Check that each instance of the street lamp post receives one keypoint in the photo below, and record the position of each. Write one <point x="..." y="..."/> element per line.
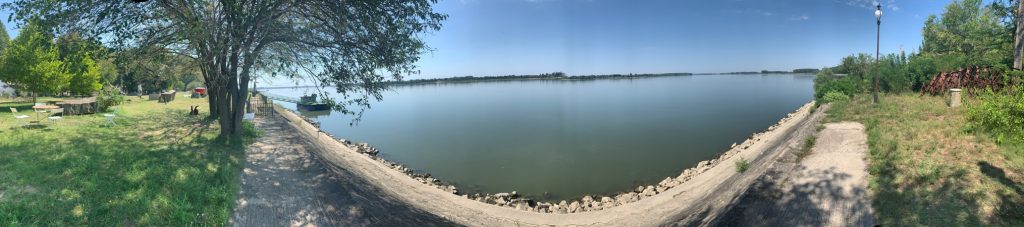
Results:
<point x="878" y="37"/>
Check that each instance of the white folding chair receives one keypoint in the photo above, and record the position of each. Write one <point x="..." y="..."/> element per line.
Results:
<point x="55" y="118"/>
<point x="110" y="119"/>
<point x="22" y="119"/>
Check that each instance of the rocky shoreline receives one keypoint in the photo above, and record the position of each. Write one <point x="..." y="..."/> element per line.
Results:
<point x="584" y="204"/>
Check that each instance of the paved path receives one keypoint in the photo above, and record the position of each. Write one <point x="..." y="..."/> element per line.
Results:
<point x="284" y="185"/>
<point x="827" y="188"/>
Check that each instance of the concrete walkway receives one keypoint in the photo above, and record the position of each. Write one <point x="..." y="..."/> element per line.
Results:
<point x="827" y="188"/>
<point x="284" y="185"/>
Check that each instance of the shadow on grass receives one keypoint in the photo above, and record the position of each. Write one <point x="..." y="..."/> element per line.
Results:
<point x="123" y="175"/>
<point x="5" y="107"/>
<point x="32" y="126"/>
<point x="1010" y="208"/>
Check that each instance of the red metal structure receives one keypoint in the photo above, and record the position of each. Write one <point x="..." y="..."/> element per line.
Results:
<point x="200" y="90"/>
<point x="970" y="79"/>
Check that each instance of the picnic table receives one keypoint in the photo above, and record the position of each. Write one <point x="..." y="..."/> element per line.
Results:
<point x="42" y="108"/>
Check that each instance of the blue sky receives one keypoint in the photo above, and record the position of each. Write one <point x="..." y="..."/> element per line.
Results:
<point x="498" y="37"/>
<point x="501" y="37"/>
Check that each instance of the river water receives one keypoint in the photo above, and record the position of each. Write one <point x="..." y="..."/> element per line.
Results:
<point x="564" y="139"/>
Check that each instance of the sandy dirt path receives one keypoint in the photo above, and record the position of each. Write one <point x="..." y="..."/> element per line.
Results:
<point x="827" y="188"/>
<point x="695" y="202"/>
<point x="284" y="184"/>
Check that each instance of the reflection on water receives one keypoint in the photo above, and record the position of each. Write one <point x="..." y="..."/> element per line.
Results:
<point x="568" y="138"/>
<point x="314" y="114"/>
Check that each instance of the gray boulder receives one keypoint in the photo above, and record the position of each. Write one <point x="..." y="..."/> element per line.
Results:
<point x="574" y="207"/>
<point x="649" y="191"/>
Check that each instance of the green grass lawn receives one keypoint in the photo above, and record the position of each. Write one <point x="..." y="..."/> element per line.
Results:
<point x="928" y="169"/>
<point x="157" y="167"/>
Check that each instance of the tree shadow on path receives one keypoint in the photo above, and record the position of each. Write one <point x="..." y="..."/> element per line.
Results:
<point x="770" y="203"/>
<point x="285" y="183"/>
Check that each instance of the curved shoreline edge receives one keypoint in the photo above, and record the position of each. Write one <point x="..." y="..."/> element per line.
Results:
<point x="668" y="201"/>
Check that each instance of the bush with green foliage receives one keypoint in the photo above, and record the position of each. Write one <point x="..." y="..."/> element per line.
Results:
<point x="835" y="96"/>
<point x="999" y="113"/>
<point x="893" y="75"/>
<point x="827" y="82"/>
<point x="1014" y="77"/>
<point x="109" y="96"/>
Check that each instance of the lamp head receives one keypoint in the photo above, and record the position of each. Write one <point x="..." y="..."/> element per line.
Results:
<point x="878" y="12"/>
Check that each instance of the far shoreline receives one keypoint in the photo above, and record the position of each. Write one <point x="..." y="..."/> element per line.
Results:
<point x="557" y="76"/>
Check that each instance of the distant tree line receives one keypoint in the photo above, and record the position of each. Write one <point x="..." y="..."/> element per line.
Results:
<point x="542" y="76"/>
<point x="735" y="73"/>
<point x="806" y="70"/>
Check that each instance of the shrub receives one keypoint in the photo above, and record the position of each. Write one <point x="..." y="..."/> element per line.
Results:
<point x="835" y="96"/>
<point x="109" y="96"/>
<point x="1013" y="77"/>
<point x="1000" y="113"/>
<point x="825" y="82"/>
<point x="249" y="130"/>
<point x="742" y="165"/>
<point x="893" y="76"/>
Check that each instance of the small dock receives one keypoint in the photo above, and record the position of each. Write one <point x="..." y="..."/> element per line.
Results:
<point x="279" y="97"/>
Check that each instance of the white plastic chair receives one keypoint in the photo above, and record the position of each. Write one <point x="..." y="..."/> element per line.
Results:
<point x="22" y="119"/>
<point x="56" y="118"/>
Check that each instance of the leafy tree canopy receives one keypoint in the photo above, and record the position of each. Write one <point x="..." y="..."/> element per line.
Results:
<point x="970" y="34"/>
<point x="78" y="55"/>
<point x="31" y="63"/>
<point x="5" y="39"/>
<point x="351" y="45"/>
<point x="87" y="79"/>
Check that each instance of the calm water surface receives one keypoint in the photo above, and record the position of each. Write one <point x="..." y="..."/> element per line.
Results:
<point x="568" y="138"/>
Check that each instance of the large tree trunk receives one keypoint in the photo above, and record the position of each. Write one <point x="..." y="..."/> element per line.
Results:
<point x="1018" y="43"/>
<point x="211" y="92"/>
<point x="222" y="88"/>
<point x="232" y="109"/>
<point x="229" y="94"/>
<point x="241" y="99"/>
